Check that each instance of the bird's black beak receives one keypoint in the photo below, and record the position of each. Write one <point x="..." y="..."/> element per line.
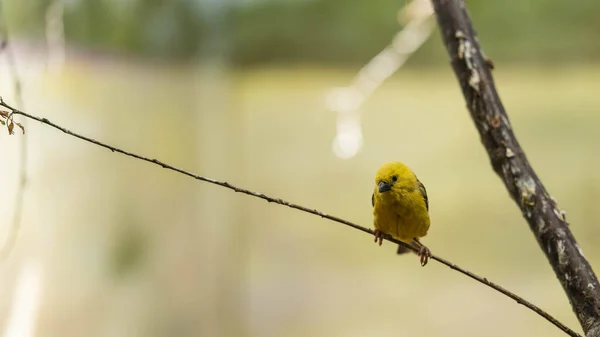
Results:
<point x="384" y="187"/>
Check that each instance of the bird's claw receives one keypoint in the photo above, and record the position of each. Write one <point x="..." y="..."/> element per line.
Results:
<point x="424" y="255"/>
<point x="378" y="236"/>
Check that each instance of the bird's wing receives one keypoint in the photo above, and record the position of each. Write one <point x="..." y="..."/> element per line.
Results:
<point x="373" y="199"/>
<point x="423" y="193"/>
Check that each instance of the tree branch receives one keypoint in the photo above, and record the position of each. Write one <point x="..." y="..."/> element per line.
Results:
<point x="547" y="223"/>
<point x="278" y="201"/>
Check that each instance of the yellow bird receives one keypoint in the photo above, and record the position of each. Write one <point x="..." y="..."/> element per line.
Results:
<point x="401" y="208"/>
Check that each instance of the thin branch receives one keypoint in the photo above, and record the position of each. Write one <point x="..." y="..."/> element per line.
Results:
<point x="508" y="159"/>
<point x="13" y="231"/>
<point x="282" y="202"/>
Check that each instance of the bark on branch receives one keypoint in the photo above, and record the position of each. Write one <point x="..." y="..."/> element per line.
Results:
<point x="546" y="221"/>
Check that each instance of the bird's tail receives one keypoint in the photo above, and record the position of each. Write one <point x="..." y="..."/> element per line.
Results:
<point x="402" y="250"/>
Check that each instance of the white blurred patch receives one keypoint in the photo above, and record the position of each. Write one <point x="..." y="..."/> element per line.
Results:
<point x="349" y="139"/>
<point x="26" y="301"/>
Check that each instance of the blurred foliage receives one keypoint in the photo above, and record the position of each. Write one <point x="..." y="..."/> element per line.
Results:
<point x="129" y="246"/>
<point x="314" y="31"/>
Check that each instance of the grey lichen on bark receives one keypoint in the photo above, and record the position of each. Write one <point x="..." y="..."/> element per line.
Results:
<point x="594" y="331"/>
<point x="546" y="221"/>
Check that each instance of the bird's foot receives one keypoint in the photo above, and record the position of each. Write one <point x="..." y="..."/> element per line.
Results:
<point x="378" y="236"/>
<point x="424" y="255"/>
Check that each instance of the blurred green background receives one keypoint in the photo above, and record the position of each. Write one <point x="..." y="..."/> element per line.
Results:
<point x="236" y="91"/>
<point x="263" y="32"/>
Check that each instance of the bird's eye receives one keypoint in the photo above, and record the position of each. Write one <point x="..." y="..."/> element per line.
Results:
<point x="395" y="178"/>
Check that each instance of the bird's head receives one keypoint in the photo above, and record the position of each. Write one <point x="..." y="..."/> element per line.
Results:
<point x="394" y="176"/>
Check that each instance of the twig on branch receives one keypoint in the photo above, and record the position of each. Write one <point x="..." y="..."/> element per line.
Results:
<point x="546" y="221"/>
<point x="279" y="201"/>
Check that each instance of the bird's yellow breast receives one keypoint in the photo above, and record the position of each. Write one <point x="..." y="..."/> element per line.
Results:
<point x="401" y="213"/>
